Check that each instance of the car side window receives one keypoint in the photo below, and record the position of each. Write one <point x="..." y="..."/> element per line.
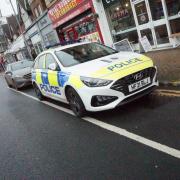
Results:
<point x="49" y="60"/>
<point x="41" y="62"/>
<point x="36" y="64"/>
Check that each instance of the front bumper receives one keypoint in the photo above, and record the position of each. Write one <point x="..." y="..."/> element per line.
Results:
<point x="23" y="82"/>
<point x="87" y="94"/>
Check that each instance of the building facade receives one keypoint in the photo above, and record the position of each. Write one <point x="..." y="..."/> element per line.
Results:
<point x="133" y="19"/>
<point x="75" y="20"/>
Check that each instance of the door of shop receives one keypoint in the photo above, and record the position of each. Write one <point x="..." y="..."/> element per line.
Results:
<point x="151" y="22"/>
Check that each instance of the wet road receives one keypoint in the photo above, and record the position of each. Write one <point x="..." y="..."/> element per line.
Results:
<point x="41" y="141"/>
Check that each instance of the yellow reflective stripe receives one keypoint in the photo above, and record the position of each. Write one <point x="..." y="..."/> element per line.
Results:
<point x="133" y="69"/>
<point x="75" y="81"/>
<point x="38" y="76"/>
<point x="134" y="66"/>
<point x="53" y="78"/>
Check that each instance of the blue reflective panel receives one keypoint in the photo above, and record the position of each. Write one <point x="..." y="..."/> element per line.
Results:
<point x="62" y="78"/>
<point x="44" y="76"/>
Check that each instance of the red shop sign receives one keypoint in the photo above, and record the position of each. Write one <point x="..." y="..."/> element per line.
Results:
<point x="61" y="12"/>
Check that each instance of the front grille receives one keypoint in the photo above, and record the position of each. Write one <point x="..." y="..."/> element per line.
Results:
<point x="27" y="76"/>
<point x="123" y="83"/>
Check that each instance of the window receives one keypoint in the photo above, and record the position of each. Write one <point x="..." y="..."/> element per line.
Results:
<point x="41" y="62"/>
<point x="141" y="12"/>
<point x="49" y="60"/>
<point x="173" y="7"/>
<point x="175" y="25"/>
<point x="156" y="9"/>
<point x="120" y="16"/>
<point x="132" y="36"/>
<point x="161" y="34"/>
<point x="50" y="39"/>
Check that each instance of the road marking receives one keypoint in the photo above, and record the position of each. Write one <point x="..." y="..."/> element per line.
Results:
<point x="123" y="132"/>
<point x="171" y="93"/>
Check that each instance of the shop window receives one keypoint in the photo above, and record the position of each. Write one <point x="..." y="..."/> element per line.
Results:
<point x="156" y="9"/>
<point x="38" y="48"/>
<point x="50" y="39"/>
<point x="175" y="25"/>
<point x="141" y="12"/>
<point x="86" y="27"/>
<point x="173" y="7"/>
<point x="120" y="16"/>
<point x="131" y="36"/>
<point x="161" y="34"/>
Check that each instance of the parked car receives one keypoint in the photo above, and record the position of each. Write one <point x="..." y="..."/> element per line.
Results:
<point x="92" y="77"/>
<point x="18" y="74"/>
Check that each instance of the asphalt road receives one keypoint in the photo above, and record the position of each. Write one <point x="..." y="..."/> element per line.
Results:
<point x="38" y="141"/>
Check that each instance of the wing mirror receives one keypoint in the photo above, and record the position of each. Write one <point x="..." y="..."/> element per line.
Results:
<point x="53" y="67"/>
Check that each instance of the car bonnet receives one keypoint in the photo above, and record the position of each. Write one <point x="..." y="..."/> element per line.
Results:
<point x="112" y="67"/>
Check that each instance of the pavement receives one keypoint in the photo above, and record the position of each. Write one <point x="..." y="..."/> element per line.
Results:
<point x="44" y="140"/>
<point x="168" y="64"/>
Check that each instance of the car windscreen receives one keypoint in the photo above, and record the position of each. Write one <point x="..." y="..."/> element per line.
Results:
<point x="21" y="65"/>
<point x="83" y="53"/>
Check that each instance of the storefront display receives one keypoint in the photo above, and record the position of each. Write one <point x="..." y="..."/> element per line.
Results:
<point x="75" y="20"/>
<point x="135" y="19"/>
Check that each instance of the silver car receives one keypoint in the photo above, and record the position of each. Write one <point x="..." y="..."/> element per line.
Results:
<point x="18" y="74"/>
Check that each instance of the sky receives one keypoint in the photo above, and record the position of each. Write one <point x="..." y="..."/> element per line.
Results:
<point x="5" y="7"/>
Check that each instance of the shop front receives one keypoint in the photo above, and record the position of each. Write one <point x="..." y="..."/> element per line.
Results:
<point x="75" y="20"/>
<point x="34" y="40"/>
<point x="47" y="32"/>
<point x="134" y="19"/>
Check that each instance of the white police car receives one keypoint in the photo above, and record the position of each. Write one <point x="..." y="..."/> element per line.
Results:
<point x="92" y="77"/>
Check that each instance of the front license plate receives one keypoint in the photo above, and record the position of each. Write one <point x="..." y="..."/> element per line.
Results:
<point x="139" y="84"/>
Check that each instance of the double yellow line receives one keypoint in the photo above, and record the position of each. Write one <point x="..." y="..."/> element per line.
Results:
<point x="171" y="93"/>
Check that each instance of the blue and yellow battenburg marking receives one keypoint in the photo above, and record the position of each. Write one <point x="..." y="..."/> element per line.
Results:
<point x="50" y="81"/>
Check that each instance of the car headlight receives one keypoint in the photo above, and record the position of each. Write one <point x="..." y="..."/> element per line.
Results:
<point x="95" y="82"/>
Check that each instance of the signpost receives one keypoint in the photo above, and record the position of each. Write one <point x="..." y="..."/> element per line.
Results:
<point x="145" y="43"/>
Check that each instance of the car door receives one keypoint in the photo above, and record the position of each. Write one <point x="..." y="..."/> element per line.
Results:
<point x="54" y="88"/>
<point x="38" y="72"/>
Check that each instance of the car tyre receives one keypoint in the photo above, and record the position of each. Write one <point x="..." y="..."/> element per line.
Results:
<point x="76" y="103"/>
<point x="38" y="92"/>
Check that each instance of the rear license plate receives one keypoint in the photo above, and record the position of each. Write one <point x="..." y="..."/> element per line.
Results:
<point x="139" y="84"/>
